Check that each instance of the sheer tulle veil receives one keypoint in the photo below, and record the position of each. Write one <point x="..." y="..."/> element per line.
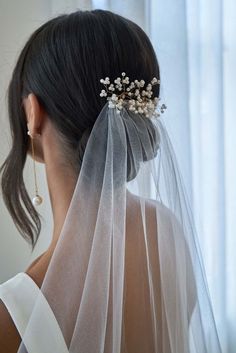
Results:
<point x="129" y="201"/>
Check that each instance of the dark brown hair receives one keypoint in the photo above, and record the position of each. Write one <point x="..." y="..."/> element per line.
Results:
<point x="62" y="64"/>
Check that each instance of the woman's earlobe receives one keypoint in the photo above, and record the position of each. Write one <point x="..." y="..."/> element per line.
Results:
<point x="34" y="114"/>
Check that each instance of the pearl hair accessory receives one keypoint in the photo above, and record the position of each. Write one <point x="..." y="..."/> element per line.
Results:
<point x="133" y="95"/>
<point x="37" y="199"/>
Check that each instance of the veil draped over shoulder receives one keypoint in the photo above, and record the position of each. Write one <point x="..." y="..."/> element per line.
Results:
<point x="126" y="275"/>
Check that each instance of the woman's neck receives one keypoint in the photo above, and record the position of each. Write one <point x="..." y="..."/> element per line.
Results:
<point x="61" y="184"/>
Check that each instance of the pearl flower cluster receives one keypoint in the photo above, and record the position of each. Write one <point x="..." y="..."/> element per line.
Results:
<point x="133" y="95"/>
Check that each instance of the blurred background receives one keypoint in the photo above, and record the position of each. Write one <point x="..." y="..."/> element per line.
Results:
<point x="195" y="42"/>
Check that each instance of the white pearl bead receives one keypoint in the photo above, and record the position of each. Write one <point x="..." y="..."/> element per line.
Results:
<point x="37" y="200"/>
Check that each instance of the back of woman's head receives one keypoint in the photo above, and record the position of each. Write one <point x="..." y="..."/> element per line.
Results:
<point x="62" y="64"/>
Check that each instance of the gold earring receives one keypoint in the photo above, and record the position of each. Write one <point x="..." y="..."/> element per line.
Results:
<point x="37" y="199"/>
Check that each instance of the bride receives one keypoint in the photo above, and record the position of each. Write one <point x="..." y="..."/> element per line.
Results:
<point x="123" y="272"/>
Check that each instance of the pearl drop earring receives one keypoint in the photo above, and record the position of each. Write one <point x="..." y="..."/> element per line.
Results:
<point x="37" y="199"/>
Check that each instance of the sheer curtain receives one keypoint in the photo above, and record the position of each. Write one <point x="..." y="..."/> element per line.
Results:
<point x="212" y="55"/>
<point x="196" y="43"/>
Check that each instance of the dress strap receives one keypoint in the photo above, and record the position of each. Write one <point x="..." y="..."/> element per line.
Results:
<point x="21" y="296"/>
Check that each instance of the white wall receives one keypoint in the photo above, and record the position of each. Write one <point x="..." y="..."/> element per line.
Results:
<point x="18" y="19"/>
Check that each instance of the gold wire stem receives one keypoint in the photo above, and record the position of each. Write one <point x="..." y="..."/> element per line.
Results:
<point x="34" y="167"/>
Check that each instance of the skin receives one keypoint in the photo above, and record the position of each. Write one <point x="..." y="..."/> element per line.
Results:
<point x="61" y="183"/>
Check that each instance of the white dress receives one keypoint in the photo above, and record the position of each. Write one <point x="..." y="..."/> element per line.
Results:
<point x="19" y="295"/>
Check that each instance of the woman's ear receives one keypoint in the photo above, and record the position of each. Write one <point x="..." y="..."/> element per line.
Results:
<point x="34" y="114"/>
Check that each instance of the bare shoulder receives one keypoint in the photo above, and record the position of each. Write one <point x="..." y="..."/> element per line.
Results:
<point x="9" y="336"/>
<point x="38" y="268"/>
